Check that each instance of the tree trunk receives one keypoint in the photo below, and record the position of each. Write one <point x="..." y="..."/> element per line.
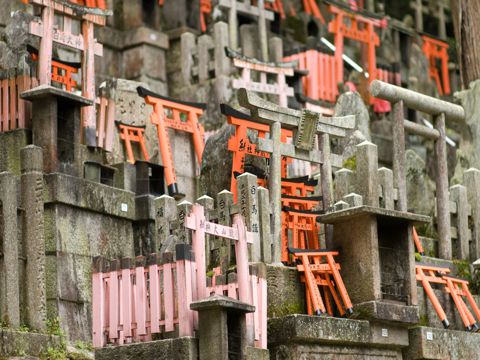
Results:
<point x="465" y="14"/>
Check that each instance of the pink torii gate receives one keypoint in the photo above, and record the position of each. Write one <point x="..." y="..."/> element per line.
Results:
<point x="84" y="42"/>
<point x="131" y="304"/>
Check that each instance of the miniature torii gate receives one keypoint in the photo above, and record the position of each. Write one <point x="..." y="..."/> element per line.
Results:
<point x="281" y="70"/>
<point x="85" y="42"/>
<point x="245" y="7"/>
<point x="306" y="126"/>
<point x="365" y="35"/>
<point x="437" y="50"/>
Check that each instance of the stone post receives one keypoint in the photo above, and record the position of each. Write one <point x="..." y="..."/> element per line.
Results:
<point x="222" y="248"/>
<point x="343" y="181"/>
<point x="276" y="49"/>
<point x="471" y="180"/>
<point x="249" y="40"/>
<point x="441" y="181"/>
<point x="265" y="230"/>
<point x="222" y="330"/>
<point x="458" y="195"/>
<point x="9" y="279"/>
<point x="262" y="30"/>
<point x="248" y="205"/>
<point x="275" y="188"/>
<point x="233" y="25"/>
<point x="399" y="171"/>
<point x="208" y="203"/>
<point x="205" y="43"/>
<point x="33" y="233"/>
<point x="367" y="173"/>
<point x="183" y="210"/>
<point x="188" y="49"/>
<point x="385" y="180"/>
<point x="222" y="62"/>
<point x="165" y="215"/>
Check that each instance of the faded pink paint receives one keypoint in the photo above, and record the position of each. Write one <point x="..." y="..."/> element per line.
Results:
<point x="139" y="312"/>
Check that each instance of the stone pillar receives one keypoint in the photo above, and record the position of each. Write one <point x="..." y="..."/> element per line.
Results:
<point x="222" y="62"/>
<point x="208" y="203"/>
<point x="248" y="205"/>
<point x="166" y="213"/>
<point x="265" y="228"/>
<point x="385" y="180"/>
<point x="441" y="182"/>
<point x="458" y="195"/>
<point x="222" y="248"/>
<point x="276" y="49"/>
<point x="367" y="173"/>
<point x="44" y="131"/>
<point x="183" y="234"/>
<point x="222" y="331"/>
<point x="471" y="179"/>
<point x="9" y="279"/>
<point x="343" y="181"/>
<point x="399" y="172"/>
<point x="33" y="235"/>
<point x="275" y="188"/>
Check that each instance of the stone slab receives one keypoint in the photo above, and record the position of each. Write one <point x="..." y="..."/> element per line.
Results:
<point x="343" y="215"/>
<point x="324" y="330"/>
<point x="44" y="91"/>
<point x="10" y="144"/>
<point x="436" y="344"/>
<point x="16" y="343"/>
<point x="69" y="190"/>
<point x="184" y="348"/>
<point x="387" y="312"/>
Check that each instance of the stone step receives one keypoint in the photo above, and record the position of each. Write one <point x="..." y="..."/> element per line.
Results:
<point x="436" y="344"/>
<point x="457" y="268"/>
<point x="183" y="348"/>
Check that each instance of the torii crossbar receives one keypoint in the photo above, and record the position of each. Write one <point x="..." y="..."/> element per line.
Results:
<point x="306" y="125"/>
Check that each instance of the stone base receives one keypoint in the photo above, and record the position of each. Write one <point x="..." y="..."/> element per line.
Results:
<point x="185" y="348"/>
<point x="15" y="343"/>
<point x="433" y="344"/>
<point x="387" y="312"/>
<point x="257" y="354"/>
<point x="285" y="293"/>
<point x="303" y="336"/>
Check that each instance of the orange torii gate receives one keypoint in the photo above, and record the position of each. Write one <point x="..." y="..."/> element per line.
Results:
<point x="240" y="144"/>
<point x="89" y="13"/>
<point x="318" y="268"/>
<point x="457" y="288"/>
<point x="178" y="115"/>
<point x="437" y="50"/>
<point x="361" y="29"/>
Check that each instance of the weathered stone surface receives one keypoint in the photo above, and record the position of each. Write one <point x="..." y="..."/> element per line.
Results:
<point x="351" y="103"/>
<point x="16" y="343"/>
<point x="387" y="312"/>
<point x="436" y="344"/>
<point x="10" y="144"/>
<point x="302" y="336"/>
<point x="215" y="174"/>
<point x="420" y="188"/>
<point x="285" y="293"/>
<point x="185" y="348"/>
<point x="13" y="48"/>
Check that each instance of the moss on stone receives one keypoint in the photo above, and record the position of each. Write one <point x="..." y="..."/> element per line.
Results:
<point x="285" y="309"/>
<point x="351" y="163"/>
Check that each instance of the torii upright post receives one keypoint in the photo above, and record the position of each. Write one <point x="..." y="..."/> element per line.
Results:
<point x="306" y="126"/>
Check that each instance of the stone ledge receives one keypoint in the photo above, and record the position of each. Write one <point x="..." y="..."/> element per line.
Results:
<point x="436" y="344"/>
<point x="89" y="195"/>
<point x="184" y="348"/>
<point x="122" y="40"/>
<point x="389" y="312"/>
<point x="16" y="343"/>
<point x="334" y="331"/>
